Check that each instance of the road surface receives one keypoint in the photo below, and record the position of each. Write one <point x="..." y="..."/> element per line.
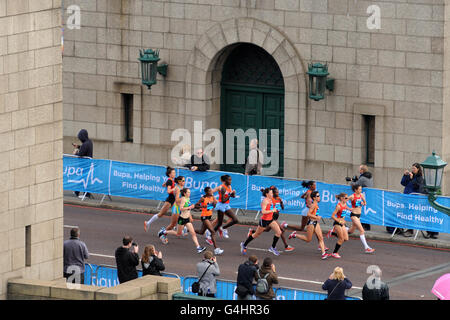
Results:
<point x="102" y="230"/>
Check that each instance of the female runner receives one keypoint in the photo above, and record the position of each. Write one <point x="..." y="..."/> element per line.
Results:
<point x="207" y="203"/>
<point x="311" y="185"/>
<point x="278" y="204"/>
<point x="170" y="200"/>
<point x="358" y="200"/>
<point x="338" y="216"/>
<point x="268" y="210"/>
<point x="223" y="206"/>
<point x="313" y="226"/>
<point x="185" y="219"/>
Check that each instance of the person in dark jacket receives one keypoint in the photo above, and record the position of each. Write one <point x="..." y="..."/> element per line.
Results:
<point x="246" y="275"/>
<point x="336" y="285"/>
<point x="414" y="182"/>
<point x="75" y="254"/>
<point x="199" y="162"/>
<point x="86" y="149"/>
<point x="127" y="259"/>
<point x="267" y="268"/>
<point x="151" y="261"/>
<point x="374" y="288"/>
<point x="365" y="180"/>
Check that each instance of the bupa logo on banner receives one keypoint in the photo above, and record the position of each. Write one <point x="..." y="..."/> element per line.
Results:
<point x="84" y="174"/>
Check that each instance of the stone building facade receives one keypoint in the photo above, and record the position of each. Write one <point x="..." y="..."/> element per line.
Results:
<point x="31" y="204"/>
<point x="389" y="97"/>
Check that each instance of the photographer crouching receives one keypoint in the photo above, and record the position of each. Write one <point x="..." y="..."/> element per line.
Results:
<point x="365" y="179"/>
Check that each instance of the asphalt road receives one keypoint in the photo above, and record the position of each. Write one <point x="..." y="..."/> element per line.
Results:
<point x="102" y="230"/>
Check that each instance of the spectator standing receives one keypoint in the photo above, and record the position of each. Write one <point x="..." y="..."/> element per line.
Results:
<point x="207" y="271"/>
<point x="127" y="259"/>
<point x="75" y="254"/>
<point x="365" y="180"/>
<point x="374" y="288"/>
<point x="246" y="275"/>
<point x="267" y="268"/>
<point x="198" y="162"/>
<point x="336" y="285"/>
<point x="414" y="182"/>
<point x="86" y="149"/>
<point x="151" y="261"/>
<point x="255" y="159"/>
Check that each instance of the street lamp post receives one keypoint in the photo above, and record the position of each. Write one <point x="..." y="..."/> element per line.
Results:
<point x="433" y="169"/>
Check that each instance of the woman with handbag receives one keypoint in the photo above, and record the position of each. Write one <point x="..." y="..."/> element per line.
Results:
<point x="336" y="285"/>
<point x="207" y="270"/>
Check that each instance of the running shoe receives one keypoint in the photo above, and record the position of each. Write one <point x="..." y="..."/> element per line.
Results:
<point x="330" y="233"/>
<point x="220" y="232"/>
<point x="250" y="232"/>
<point x="207" y="234"/>
<point x="369" y="250"/>
<point x="243" y="249"/>
<point x="145" y="226"/>
<point x="293" y="235"/>
<point x="161" y="232"/>
<point x="289" y="249"/>
<point x="284" y="225"/>
<point x="326" y="249"/>
<point x="325" y="255"/>
<point x="225" y="233"/>
<point x="218" y="251"/>
<point x="336" y="255"/>
<point x="200" y="249"/>
<point x="274" y="251"/>
<point x="184" y="232"/>
<point x="209" y="241"/>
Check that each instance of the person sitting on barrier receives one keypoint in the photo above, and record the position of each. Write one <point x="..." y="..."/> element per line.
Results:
<point x="86" y="149"/>
<point x="127" y="259"/>
<point x="207" y="270"/>
<point x="185" y="219"/>
<point x="268" y="210"/>
<point x="151" y="261"/>
<point x="245" y="277"/>
<point x="336" y="285"/>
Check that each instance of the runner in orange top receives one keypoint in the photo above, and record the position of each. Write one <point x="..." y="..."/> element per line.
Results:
<point x="223" y="206"/>
<point x="277" y="204"/>
<point x="340" y="212"/>
<point x="313" y="226"/>
<point x="207" y="203"/>
<point x="268" y="210"/>
<point x="358" y="200"/>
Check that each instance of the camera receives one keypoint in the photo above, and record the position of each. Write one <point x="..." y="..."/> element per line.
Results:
<point x="354" y="179"/>
<point x="134" y="244"/>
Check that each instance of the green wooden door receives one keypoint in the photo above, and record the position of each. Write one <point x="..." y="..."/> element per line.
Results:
<point x="252" y="97"/>
<point x="251" y="108"/>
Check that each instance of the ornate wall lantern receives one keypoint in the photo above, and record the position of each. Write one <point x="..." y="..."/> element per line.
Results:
<point x="149" y="66"/>
<point x="318" y="81"/>
<point x="433" y="170"/>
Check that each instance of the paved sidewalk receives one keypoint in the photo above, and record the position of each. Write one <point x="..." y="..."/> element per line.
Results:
<point x="249" y="217"/>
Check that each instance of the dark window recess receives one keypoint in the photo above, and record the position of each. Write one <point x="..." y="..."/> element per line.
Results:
<point x="127" y="102"/>
<point x="28" y="246"/>
<point x="369" y="139"/>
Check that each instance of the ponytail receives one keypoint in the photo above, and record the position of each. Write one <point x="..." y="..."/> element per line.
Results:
<point x="168" y="171"/>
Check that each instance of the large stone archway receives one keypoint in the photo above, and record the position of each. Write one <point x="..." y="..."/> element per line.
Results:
<point x="203" y="77"/>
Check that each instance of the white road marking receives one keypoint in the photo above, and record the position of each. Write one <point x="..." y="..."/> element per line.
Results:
<point x="66" y="226"/>
<point x="101" y="255"/>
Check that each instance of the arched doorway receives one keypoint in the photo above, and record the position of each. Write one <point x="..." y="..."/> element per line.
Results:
<point x="252" y="96"/>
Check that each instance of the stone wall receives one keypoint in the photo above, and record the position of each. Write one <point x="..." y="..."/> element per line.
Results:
<point x="394" y="73"/>
<point x="144" y="288"/>
<point x="31" y="140"/>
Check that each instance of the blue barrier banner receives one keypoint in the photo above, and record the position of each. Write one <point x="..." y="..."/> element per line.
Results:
<point x="385" y="208"/>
